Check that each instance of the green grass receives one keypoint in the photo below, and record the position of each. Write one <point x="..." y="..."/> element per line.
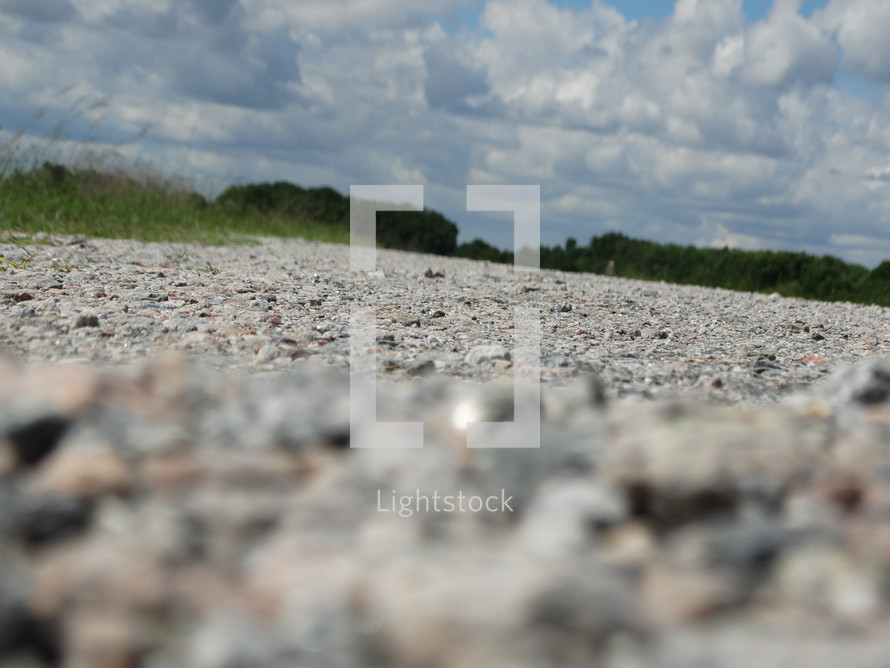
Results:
<point x="15" y="264"/>
<point x="54" y="185"/>
<point x="96" y="203"/>
<point x="102" y="194"/>
<point x="21" y="263"/>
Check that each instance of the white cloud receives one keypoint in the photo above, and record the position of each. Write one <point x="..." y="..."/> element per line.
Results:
<point x="721" y="237"/>
<point x="860" y="248"/>
<point x="786" y="48"/>
<point x="699" y="129"/>
<point x="16" y="70"/>
<point x="862" y="28"/>
<point x="406" y="175"/>
<point x="530" y="42"/>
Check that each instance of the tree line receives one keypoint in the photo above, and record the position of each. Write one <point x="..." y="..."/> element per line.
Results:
<point x="791" y="274"/>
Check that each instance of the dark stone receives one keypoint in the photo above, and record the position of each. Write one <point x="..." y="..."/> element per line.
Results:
<point x="875" y="389"/>
<point x="748" y="547"/>
<point x="848" y="497"/>
<point x="423" y="368"/>
<point x="669" y="508"/>
<point x="21" y="632"/>
<point x="597" y="391"/>
<point x="28" y="312"/>
<point x="44" y="520"/>
<point x="86" y="320"/>
<point x="762" y="365"/>
<point x="36" y="439"/>
<point x="12" y="621"/>
<point x="337" y="436"/>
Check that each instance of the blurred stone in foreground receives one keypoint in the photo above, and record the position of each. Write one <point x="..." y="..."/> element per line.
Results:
<point x="165" y="515"/>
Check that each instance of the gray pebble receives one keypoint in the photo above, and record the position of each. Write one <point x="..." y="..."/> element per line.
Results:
<point x="481" y="354"/>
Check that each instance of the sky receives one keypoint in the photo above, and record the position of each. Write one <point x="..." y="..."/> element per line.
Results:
<point x="753" y="124"/>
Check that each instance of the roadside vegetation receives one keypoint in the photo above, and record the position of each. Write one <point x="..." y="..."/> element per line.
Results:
<point x="55" y="199"/>
<point x="110" y="199"/>
<point x="825" y="278"/>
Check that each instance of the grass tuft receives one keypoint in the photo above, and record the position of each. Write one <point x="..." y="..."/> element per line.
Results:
<point x="59" y="200"/>
<point x="53" y="185"/>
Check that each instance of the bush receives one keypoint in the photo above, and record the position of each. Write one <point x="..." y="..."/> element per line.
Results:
<point x="477" y="249"/>
<point x="420" y="231"/>
<point x="321" y="205"/>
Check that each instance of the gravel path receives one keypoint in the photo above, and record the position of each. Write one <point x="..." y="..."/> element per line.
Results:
<point x="278" y="303"/>
<point x="716" y="494"/>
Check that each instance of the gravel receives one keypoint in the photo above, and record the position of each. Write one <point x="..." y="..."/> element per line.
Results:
<point x="275" y="304"/>
<point x="713" y="486"/>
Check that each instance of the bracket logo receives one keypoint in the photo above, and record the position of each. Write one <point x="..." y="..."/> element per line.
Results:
<point x="525" y="429"/>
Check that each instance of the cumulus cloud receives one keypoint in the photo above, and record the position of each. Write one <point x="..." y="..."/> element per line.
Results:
<point x="862" y="27"/>
<point x="719" y="236"/>
<point x="450" y="84"/>
<point x="702" y="128"/>
<point x="206" y="49"/>
<point x="786" y="49"/>
<point x="213" y="51"/>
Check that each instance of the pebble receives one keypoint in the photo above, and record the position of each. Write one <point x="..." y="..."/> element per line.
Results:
<point x="123" y="301"/>
<point x="481" y="354"/>
<point x="178" y="487"/>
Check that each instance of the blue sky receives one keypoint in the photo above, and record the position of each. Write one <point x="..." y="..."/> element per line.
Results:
<point x="657" y="10"/>
<point x="749" y="123"/>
